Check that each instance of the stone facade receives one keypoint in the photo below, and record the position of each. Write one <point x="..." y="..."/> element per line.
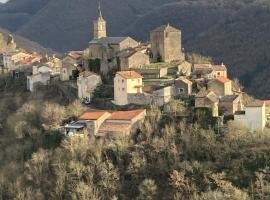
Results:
<point x="229" y="104"/>
<point x="166" y="44"/>
<point x="182" y="86"/>
<point x="133" y="59"/>
<point x="100" y="27"/>
<point x="220" y="86"/>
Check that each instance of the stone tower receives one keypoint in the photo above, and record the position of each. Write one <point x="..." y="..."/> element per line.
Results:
<point x="99" y="26"/>
<point x="166" y="44"/>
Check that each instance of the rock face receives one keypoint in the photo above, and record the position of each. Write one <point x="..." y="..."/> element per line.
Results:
<point x="7" y="45"/>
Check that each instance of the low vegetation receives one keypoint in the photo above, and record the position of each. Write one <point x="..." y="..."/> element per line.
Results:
<point x="170" y="156"/>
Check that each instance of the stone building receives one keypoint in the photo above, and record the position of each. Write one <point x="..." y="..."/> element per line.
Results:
<point x="166" y="44"/>
<point x="105" y="49"/>
<point x="209" y="71"/>
<point x="100" y="26"/>
<point x="130" y="58"/>
<point x="182" y="86"/>
<point x="70" y="63"/>
<point x="207" y="99"/>
<point x="39" y="76"/>
<point x="220" y="86"/>
<point x="125" y="83"/>
<point x="87" y="82"/>
<point x="229" y="104"/>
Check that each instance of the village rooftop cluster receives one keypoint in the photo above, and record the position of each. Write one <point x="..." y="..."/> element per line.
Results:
<point x="153" y="72"/>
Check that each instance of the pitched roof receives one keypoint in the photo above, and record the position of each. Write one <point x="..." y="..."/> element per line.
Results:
<point x="185" y="80"/>
<point x="75" y="54"/>
<point x="108" y="40"/>
<point x="125" y="115"/>
<point x="221" y="67"/>
<point x="212" y="96"/>
<point x="167" y="28"/>
<point x="223" y="79"/>
<point x="129" y="74"/>
<point x="87" y="74"/>
<point x="229" y="98"/>
<point x="92" y="115"/>
<point x="256" y="103"/>
<point x="127" y="53"/>
<point x="267" y="103"/>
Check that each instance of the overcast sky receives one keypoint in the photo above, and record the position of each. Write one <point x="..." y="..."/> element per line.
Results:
<point x="3" y="1"/>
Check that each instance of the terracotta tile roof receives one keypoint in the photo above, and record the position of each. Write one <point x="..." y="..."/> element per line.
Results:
<point x="256" y="103"/>
<point x="114" y="128"/>
<point x="75" y="54"/>
<point x="223" y="79"/>
<point x="92" y="115"/>
<point x="87" y="73"/>
<point x="267" y="103"/>
<point x="129" y="74"/>
<point x="125" y="115"/>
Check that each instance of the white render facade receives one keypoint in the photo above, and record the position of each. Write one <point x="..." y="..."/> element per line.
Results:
<point x="254" y="118"/>
<point x="87" y="85"/>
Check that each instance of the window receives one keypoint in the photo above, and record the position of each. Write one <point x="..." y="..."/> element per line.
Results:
<point x="181" y="90"/>
<point x="123" y="89"/>
<point x="138" y="80"/>
<point x="122" y="80"/>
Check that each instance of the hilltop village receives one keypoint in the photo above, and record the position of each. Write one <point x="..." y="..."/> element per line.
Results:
<point x="141" y="74"/>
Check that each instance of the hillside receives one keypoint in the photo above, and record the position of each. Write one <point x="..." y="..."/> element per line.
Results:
<point x="28" y="45"/>
<point x="241" y="41"/>
<point x="186" y="15"/>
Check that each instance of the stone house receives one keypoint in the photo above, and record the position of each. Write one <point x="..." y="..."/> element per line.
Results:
<point x="162" y="95"/>
<point x="221" y="86"/>
<point x="254" y="117"/>
<point x="219" y="71"/>
<point x="87" y="82"/>
<point x="106" y="50"/>
<point x="94" y="120"/>
<point x="209" y="71"/>
<point x="185" y="68"/>
<point x="125" y="83"/>
<point x="121" y="123"/>
<point x="182" y="86"/>
<point x="39" y="76"/>
<point x="131" y="58"/>
<point x="70" y="64"/>
<point x="202" y="71"/>
<point x="166" y="44"/>
<point x="207" y="99"/>
<point x="229" y="104"/>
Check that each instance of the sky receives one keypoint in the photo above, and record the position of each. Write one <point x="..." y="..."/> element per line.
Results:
<point x="3" y="1"/>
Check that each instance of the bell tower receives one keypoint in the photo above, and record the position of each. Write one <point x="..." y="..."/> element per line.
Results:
<point x="99" y="26"/>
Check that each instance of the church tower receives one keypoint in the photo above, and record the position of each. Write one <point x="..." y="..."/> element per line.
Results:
<point x="99" y="26"/>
